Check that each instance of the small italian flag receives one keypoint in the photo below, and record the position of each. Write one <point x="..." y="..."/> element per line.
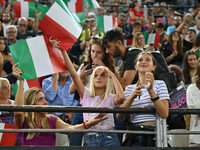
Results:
<point x="59" y="23"/>
<point x="37" y="57"/>
<point x="27" y="9"/>
<point x="27" y="85"/>
<point x="75" y="6"/>
<point x="106" y="23"/>
<point x="152" y="38"/>
<point x="8" y="138"/>
<point x="12" y="1"/>
<point x="93" y="4"/>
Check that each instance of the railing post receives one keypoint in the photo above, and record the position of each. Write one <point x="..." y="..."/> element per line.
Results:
<point x="161" y="132"/>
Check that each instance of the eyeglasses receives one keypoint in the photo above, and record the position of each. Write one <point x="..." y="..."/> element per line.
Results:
<point x="22" y="25"/>
<point x="11" y="32"/>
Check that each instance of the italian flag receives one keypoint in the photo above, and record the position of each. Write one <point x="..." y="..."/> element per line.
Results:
<point x="2" y="2"/>
<point x="37" y="57"/>
<point x="27" y="9"/>
<point x="75" y="6"/>
<point x="12" y="1"/>
<point x="60" y="24"/>
<point x="93" y="4"/>
<point x="106" y="23"/>
<point x="8" y="138"/>
<point x="152" y="38"/>
<point x="27" y="85"/>
<point x="80" y="17"/>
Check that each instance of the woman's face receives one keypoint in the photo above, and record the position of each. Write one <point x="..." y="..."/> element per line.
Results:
<point x="5" y="91"/>
<point x="144" y="64"/>
<point x="192" y="61"/>
<point x="138" y="3"/>
<point x="2" y="45"/>
<point x="97" y="52"/>
<point x="141" y="41"/>
<point x="41" y="100"/>
<point x="175" y="37"/>
<point x="100" y="78"/>
<point x="184" y="30"/>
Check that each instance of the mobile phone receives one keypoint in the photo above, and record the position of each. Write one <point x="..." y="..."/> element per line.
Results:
<point x="151" y="44"/>
<point x="89" y="65"/>
<point x="187" y="21"/>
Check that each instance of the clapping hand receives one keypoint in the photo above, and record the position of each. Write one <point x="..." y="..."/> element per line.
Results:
<point x="150" y="79"/>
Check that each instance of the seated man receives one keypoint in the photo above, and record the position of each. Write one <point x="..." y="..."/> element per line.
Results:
<point x="56" y="91"/>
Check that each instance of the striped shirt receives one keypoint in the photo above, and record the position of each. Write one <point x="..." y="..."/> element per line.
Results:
<point x="144" y="101"/>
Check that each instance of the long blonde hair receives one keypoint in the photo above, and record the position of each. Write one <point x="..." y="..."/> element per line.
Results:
<point x="30" y="98"/>
<point x="135" y="40"/>
<point x="109" y="85"/>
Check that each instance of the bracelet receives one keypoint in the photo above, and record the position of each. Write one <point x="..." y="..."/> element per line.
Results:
<point x="84" y="126"/>
<point x="155" y="99"/>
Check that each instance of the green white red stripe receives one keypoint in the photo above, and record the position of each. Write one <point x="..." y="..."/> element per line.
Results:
<point x="80" y="17"/>
<point x="60" y="24"/>
<point x="27" y="85"/>
<point x="93" y="4"/>
<point x="36" y="57"/>
<point x="106" y="23"/>
<point x="8" y="138"/>
<point x="12" y="1"/>
<point x="152" y="38"/>
<point x="27" y="9"/>
<point x="75" y="6"/>
<point x="24" y="9"/>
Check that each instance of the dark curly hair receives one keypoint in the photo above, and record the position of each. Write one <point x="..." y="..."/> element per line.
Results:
<point x="107" y="60"/>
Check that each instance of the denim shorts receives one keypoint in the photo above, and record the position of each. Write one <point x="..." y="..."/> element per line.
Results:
<point x="101" y="139"/>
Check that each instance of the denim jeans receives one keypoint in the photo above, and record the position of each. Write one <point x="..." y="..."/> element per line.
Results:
<point x="139" y="140"/>
<point x="119" y="125"/>
<point x="76" y="139"/>
<point x="101" y="139"/>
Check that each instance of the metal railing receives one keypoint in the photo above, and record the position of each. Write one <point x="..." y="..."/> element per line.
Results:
<point x="161" y="125"/>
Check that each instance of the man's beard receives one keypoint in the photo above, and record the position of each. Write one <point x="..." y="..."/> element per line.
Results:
<point x="6" y="21"/>
<point x="117" y="52"/>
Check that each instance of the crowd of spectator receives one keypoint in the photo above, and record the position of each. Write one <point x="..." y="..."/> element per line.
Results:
<point x="151" y="51"/>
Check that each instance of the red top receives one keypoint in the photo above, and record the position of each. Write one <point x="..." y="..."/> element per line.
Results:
<point x="136" y="13"/>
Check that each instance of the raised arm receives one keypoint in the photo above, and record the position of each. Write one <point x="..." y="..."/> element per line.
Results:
<point x="19" y="100"/>
<point x="84" y="73"/>
<point x="76" y="79"/>
<point x="37" y="21"/>
<point x="120" y="96"/>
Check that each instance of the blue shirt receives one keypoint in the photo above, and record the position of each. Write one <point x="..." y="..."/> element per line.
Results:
<point x="61" y="97"/>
